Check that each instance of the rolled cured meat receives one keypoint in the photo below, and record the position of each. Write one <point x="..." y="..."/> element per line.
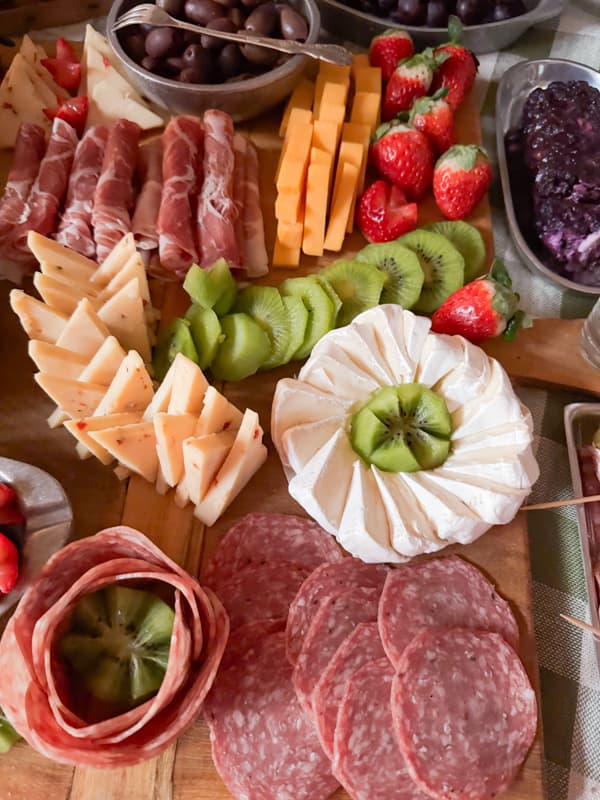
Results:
<point x="75" y="227"/>
<point x="145" y="216"/>
<point x="256" y="260"/>
<point x="113" y="198"/>
<point x="181" y="169"/>
<point x="40" y="700"/>
<point x="240" y="149"/>
<point x="217" y="210"/>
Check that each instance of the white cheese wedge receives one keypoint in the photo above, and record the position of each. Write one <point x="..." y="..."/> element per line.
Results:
<point x="38" y="319"/>
<point x="132" y="270"/>
<point x="84" y="332"/>
<point x="114" y="261"/>
<point x="203" y="457"/>
<point x="33" y="55"/>
<point x="468" y="380"/>
<point x="342" y="380"/>
<point x="44" y="92"/>
<point x="489" y="503"/>
<point x="350" y="349"/>
<point x="56" y="360"/>
<point x="217" y="414"/>
<point x="246" y="456"/>
<point x="189" y="388"/>
<point x="130" y="390"/>
<point x="70" y="263"/>
<point x="76" y="398"/>
<point x="80" y="429"/>
<point x="58" y="295"/>
<point x="105" y="363"/>
<point x="300" y="443"/>
<point x="60" y="276"/>
<point x="401" y="339"/>
<point x="170" y="431"/>
<point x="160" y="401"/>
<point x="134" y="447"/>
<point x="20" y="101"/>
<point x="441" y="354"/>
<point x="123" y="314"/>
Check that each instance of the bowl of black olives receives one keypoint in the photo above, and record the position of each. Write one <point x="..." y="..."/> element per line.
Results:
<point x="187" y="72"/>
<point x="488" y="25"/>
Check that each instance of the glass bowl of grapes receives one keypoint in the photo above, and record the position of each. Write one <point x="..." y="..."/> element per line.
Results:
<point x="488" y="25"/>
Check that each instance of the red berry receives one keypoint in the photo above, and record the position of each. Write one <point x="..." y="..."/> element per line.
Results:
<point x="383" y="213"/>
<point x="404" y="156"/>
<point x="388" y="49"/>
<point x="9" y="564"/>
<point x="8" y="496"/>
<point x="461" y="178"/>
<point x="456" y="73"/>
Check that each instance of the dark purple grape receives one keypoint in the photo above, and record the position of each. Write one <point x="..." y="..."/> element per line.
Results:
<point x="437" y="14"/>
<point x="501" y="12"/>
<point x="410" y="12"/>
<point x="470" y="12"/>
<point x="385" y="6"/>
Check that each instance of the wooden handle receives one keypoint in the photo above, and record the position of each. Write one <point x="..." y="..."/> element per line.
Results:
<point x="584" y="626"/>
<point x="575" y="501"/>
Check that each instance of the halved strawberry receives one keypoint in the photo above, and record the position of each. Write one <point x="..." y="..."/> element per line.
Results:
<point x="383" y="213"/>
<point x="8" y="496"/>
<point x="388" y="49"/>
<point x="66" y="73"/>
<point x="9" y="564"/>
<point x="74" y="111"/>
<point x="65" y="51"/>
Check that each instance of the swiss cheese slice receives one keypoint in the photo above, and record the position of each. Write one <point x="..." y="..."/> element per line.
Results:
<point x="84" y="332"/>
<point x="56" y="360"/>
<point x="130" y="390"/>
<point x="189" y="388"/>
<point x="76" y="398"/>
<point x="20" y="101"/>
<point x="133" y="269"/>
<point x="74" y="265"/>
<point x="171" y="430"/>
<point x="105" y="363"/>
<point x="80" y="429"/>
<point x="218" y="414"/>
<point x="203" y="458"/>
<point x="38" y="320"/>
<point x="115" y="261"/>
<point x="134" y="447"/>
<point x="123" y="314"/>
<point x="56" y="294"/>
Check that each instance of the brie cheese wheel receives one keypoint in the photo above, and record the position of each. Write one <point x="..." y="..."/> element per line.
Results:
<point x="388" y="517"/>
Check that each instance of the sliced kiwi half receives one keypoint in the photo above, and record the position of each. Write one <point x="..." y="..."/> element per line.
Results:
<point x="403" y="428"/>
<point x="244" y="348"/>
<point x="467" y="240"/>
<point x="357" y="284"/>
<point x="404" y="276"/>
<point x="8" y="735"/>
<point x="118" y="642"/>
<point x="321" y="310"/>
<point x="265" y="306"/>
<point x="298" y="314"/>
<point x="442" y="265"/>
<point x="175" y="338"/>
<point x="214" y="287"/>
<point x="206" y="332"/>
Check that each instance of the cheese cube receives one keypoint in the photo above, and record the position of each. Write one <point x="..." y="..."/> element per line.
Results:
<point x="38" y="320"/>
<point x="368" y="79"/>
<point x="56" y="360"/>
<point x="343" y="194"/>
<point x="316" y="207"/>
<point x="301" y="97"/>
<point x="134" y="447"/>
<point x="76" y="398"/>
<point x="333" y="113"/>
<point x="171" y="430"/>
<point x="359" y="61"/>
<point x="80" y="429"/>
<point x="365" y="108"/>
<point x="328" y="73"/>
<point x="203" y="457"/>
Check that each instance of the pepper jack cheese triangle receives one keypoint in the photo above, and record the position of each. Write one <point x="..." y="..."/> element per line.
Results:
<point x="56" y="360"/>
<point x="130" y="390"/>
<point x="38" y="320"/>
<point x="84" y="331"/>
<point x="203" y="457"/>
<point x="105" y="363"/>
<point x="171" y="430"/>
<point x="75" y="398"/>
<point x="134" y="447"/>
<point x="80" y="429"/>
<point x="123" y="314"/>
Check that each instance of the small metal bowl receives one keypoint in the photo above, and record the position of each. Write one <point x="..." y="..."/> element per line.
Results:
<point x="348" y="23"/>
<point x="515" y="87"/>
<point x="242" y="99"/>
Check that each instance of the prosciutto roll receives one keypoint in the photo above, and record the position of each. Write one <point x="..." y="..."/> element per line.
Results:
<point x="181" y="167"/>
<point x="240" y="148"/>
<point x="256" y="260"/>
<point x="113" y="198"/>
<point x="145" y="217"/>
<point x="217" y="210"/>
<point x="75" y="228"/>
<point x="29" y="150"/>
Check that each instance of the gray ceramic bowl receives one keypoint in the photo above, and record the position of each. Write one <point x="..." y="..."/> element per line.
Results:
<point x="344" y="22"/>
<point x="242" y="99"/>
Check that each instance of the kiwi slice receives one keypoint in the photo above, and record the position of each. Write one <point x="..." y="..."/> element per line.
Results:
<point x="206" y="332"/>
<point x="403" y="428"/>
<point x="118" y="642"/>
<point x="265" y="306"/>
<point x="214" y="287"/>
<point x="358" y="285"/>
<point x="467" y="240"/>
<point x="442" y="265"/>
<point x="404" y="276"/>
<point x="8" y="735"/>
<point x="298" y="314"/>
<point x="321" y="310"/>
<point x="176" y="338"/>
<point x="243" y="350"/>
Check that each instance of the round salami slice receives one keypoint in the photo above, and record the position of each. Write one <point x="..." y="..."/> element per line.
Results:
<point x="261" y="592"/>
<point x="261" y="538"/>
<point x="262" y="744"/>
<point x="336" y="618"/>
<point x="361" y="647"/>
<point x="464" y="713"/>
<point x="247" y="636"/>
<point x="328" y="579"/>
<point x="367" y="760"/>
<point x="440" y="592"/>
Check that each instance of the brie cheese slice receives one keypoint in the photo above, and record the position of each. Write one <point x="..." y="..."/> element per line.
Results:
<point x="300" y="443"/>
<point x="55" y="360"/>
<point x="134" y="447"/>
<point x="80" y="429"/>
<point x="342" y="380"/>
<point x="352" y="350"/>
<point x="489" y="503"/>
<point x="468" y="380"/>
<point x="37" y="319"/>
<point x="441" y="354"/>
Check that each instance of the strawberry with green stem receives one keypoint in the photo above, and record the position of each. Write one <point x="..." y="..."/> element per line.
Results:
<point x="458" y="69"/>
<point x="461" y="177"/>
<point x="388" y="49"/>
<point x="435" y="118"/>
<point x="404" y="156"/>
<point x="411" y="79"/>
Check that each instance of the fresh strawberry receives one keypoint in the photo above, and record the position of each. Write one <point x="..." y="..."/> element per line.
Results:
<point x="461" y="177"/>
<point x="411" y="79"/>
<point x="435" y="118"/>
<point x="457" y="72"/>
<point x="74" y="111"/>
<point x="383" y="213"/>
<point x="66" y="73"/>
<point x="482" y="309"/>
<point x="65" y="51"/>
<point x="9" y="564"/>
<point x="8" y="496"/>
<point x="404" y="156"/>
<point x="388" y="49"/>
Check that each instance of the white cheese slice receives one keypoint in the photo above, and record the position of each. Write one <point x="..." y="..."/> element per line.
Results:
<point x="114" y="261"/>
<point x="171" y="430"/>
<point x="132" y="270"/>
<point x="491" y="505"/>
<point x="43" y="91"/>
<point x="130" y="390"/>
<point x="58" y="295"/>
<point x="468" y="380"/>
<point x="33" y="55"/>
<point x="124" y="316"/>
<point x="38" y="320"/>
<point x="203" y="458"/>
<point x="246" y="456"/>
<point x="56" y="360"/>
<point x="84" y="332"/>
<point x="189" y="388"/>
<point x="349" y="348"/>
<point x="503" y="470"/>
<point x="401" y="337"/>
<point x="341" y="380"/>
<point x="20" y="101"/>
<point x="217" y="414"/>
<point x="134" y="447"/>
<point x="160" y="401"/>
<point x="80" y="429"/>
<point x="441" y="354"/>
<point x="71" y="263"/>
<point x="64" y="278"/>
<point x="300" y="443"/>
<point x="511" y="434"/>
<point x="497" y="402"/>
<point x="105" y="363"/>
<point x="76" y="398"/>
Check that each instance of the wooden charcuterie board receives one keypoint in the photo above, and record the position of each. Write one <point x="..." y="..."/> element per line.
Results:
<point x="185" y="772"/>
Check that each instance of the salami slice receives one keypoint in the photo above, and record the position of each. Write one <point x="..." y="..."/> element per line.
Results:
<point x="464" y="712"/>
<point x="261" y="592"/>
<point x="247" y="636"/>
<point x="328" y="579"/>
<point x="260" y="538"/>
<point x="361" y="647"/>
<point x="336" y="618"/>
<point x="367" y="760"/>
<point x="440" y="592"/>
<point x="262" y="745"/>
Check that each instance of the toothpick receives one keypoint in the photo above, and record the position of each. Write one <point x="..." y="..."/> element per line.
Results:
<point x="575" y="501"/>
<point x="579" y="623"/>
